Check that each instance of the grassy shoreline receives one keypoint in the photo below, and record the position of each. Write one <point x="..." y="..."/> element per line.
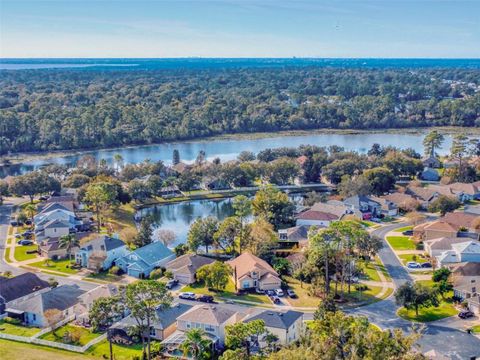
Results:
<point x="19" y="158"/>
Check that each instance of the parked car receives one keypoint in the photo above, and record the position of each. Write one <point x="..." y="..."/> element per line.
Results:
<point x="413" y="265"/>
<point x="258" y="291"/>
<point x="205" y="298"/>
<point x="408" y="232"/>
<point x="466" y="314"/>
<point x="171" y="284"/>
<point x="18" y="236"/>
<point x="27" y="233"/>
<point x="16" y="223"/>
<point x="187" y="296"/>
<point x="291" y="293"/>
<point x="44" y="197"/>
<point x="275" y="300"/>
<point x="25" y="242"/>
<point x="28" y="222"/>
<point x="426" y="265"/>
<point x="270" y="292"/>
<point x="279" y="292"/>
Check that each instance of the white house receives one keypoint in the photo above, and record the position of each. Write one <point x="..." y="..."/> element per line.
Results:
<point x="468" y="251"/>
<point x="101" y="252"/>
<point x="53" y="229"/>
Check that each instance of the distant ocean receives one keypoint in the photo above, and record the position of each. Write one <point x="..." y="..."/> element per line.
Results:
<point x="193" y="63"/>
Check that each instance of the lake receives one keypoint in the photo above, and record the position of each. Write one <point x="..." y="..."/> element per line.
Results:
<point x="229" y="149"/>
<point x="178" y="217"/>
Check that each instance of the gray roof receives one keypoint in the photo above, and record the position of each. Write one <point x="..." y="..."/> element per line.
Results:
<point x="192" y="261"/>
<point x="277" y="319"/>
<point x="21" y="285"/>
<point x="56" y="224"/>
<point x="208" y="314"/>
<point x="356" y="200"/>
<point x="62" y="297"/>
<point x="108" y="242"/>
<point x="164" y="318"/>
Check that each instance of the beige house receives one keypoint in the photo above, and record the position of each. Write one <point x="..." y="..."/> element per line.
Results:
<point x="251" y="272"/>
<point x="435" y="247"/>
<point x="184" y="268"/>
<point x="286" y="326"/>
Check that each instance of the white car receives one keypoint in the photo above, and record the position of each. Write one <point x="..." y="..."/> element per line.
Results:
<point x="279" y="292"/>
<point x="187" y="296"/>
<point x="413" y="265"/>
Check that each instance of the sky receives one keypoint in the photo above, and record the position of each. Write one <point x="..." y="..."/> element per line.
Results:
<point x="235" y="28"/>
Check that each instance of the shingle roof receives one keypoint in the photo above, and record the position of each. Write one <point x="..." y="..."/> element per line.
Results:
<point x="317" y="215"/>
<point x="246" y="262"/>
<point x="443" y="242"/>
<point x="276" y="319"/>
<point x="208" y="314"/>
<point x="422" y="193"/>
<point x="459" y="219"/>
<point x="191" y="262"/>
<point x="21" y="285"/>
<point x="467" y="269"/>
<point x="62" y="297"/>
<point x="337" y="209"/>
<point x="108" y="242"/>
<point x="399" y="198"/>
<point x="356" y="200"/>
<point x="468" y="247"/>
<point x="153" y="252"/>
<point x="56" y="224"/>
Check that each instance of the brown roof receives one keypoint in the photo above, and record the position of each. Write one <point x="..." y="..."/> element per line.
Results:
<point x="332" y="207"/>
<point x="459" y="219"/>
<point x="245" y="263"/>
<point x="317" y="215"/>
<point x="467" y="269"/>
<point x="467" y="188"/>
<point x="440" y="226"/>
<point x="444" y="242"/>
<point x="189" y="263"/>
<point x="399" y="198"/>
<point x="420" y="192"/>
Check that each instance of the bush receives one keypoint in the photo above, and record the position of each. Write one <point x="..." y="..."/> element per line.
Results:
<point x="156" y="274"/>
<point x="168" y="274"/>
<point x="13" y="321"/>
<point x="419" y="246"/>
<point x="114" y="270"/>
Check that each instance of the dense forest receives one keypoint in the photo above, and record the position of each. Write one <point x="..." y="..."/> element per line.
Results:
<point x="71" y="109"/>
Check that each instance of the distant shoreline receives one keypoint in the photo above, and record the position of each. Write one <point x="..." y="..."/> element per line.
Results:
<point x="19" y="158"/>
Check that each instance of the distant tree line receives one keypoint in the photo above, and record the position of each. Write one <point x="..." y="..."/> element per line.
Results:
<point x="44" y="110"/>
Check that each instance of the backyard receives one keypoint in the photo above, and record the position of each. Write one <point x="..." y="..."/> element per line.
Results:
<point x="71" y="334"/>
<point x="63" y="266"/>
<point x="19" y="330"/>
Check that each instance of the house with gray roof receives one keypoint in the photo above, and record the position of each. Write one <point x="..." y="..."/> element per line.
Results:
<point x="287" y="326"/>
<point x="364" y="206"/>
<point x="140" y="262"/>
<point x="163" y="325"/>
<point x="101" y="252"/>
<point x="61" y="299"/>
<point x="184" y="268"/>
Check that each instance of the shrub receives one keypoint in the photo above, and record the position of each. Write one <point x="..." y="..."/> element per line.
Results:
<point x="419" y="246"/>
<point x="168" y="274"/>
<point x="156" y="274"/>
<point x="114" y="270"/>
<point x="13" y="321"/>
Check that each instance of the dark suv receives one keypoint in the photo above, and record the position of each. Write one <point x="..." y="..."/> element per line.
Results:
<point x="205" y="298"/>
<point x="466" y="314"/>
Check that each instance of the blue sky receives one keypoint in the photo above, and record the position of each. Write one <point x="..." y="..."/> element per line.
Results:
<point x="229" y="28"/>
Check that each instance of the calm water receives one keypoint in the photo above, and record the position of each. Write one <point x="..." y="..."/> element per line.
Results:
<point x="179" y="217"/>
<point x="229" y="149"/>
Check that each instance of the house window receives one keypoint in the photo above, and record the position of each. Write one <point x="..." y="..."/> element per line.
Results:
<point x="245" y="284"/>
<point x="152" y="332"/>
<point x="34" y="317"/>
<point x="188" y="326"/>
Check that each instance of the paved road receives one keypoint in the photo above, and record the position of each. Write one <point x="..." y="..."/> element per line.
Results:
<point x="5" y="212"/>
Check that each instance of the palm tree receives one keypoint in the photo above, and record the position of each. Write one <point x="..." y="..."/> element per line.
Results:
<point x="118" y="159"/>
<point x="195" y="343"/>
<point x="69" y="242"/>
<point x="30" y="209"/>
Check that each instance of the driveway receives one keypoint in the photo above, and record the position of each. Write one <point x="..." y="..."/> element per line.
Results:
<point x="5" y="212"/>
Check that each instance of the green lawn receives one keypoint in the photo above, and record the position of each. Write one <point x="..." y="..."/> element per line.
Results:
<point x="401" y="242"/>
<point x="7" y="254"/>
<point x="104" y="276"/>
<point x="23" y="351"/>
<point x="84" y="335"/>
<point x="56" y="265"/>
<point x="405" y="228"/>
<point x="370" y="271"/>
<point x="382" y="268"/>
<point x="228" y="293"/>
<point x="410" y="257"/>
<point x="21" y="252"/>
<point x="19" y="330"/>
<point x="445" y="309"/>
<point x="476" y="329"/>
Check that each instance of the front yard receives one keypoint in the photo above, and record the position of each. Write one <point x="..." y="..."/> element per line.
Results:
<point x="19" y="330"/>
<point x="71" y="334"/>
<point x="20" y="253"/>
<point x="228" y="293"/>
<point x="401" y="242"/>
<point x="63" y="266"/>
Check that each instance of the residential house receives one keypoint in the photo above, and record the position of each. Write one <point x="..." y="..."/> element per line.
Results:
<point x="389" y="208"/>
<point x="215" y="184"/>
<point x="423" y="195"/>
<point x="163" y="325"/>
<point x="140" y="262"/>
<point x="470" y="191"/>
<point x="454" y="224"/>
<point x="402" y="201"/>
<point x="364" y="205"/>
<point x="19" y="288"/>
<point x="52" y="229"/>
<point x="32" y="310"/>
<point x="251" y="272"/>
<point x="322" y="214"/>
<point x="101" y="252"/>
<point x="211" y="318"/>
<point x="169" y="192"/>
<point x="184" y="268"/>
<point x="86" y="300"/>
<point x="466" y="287"/>
<point x="435" y="247"/>
<point x="296" y="234"/>
<point x="287" y="326"/>
<point x="468" y="251"/>
<point x="430" y="174"/>
<point x="431" y="162"/>
<point x="51" y="248"/>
